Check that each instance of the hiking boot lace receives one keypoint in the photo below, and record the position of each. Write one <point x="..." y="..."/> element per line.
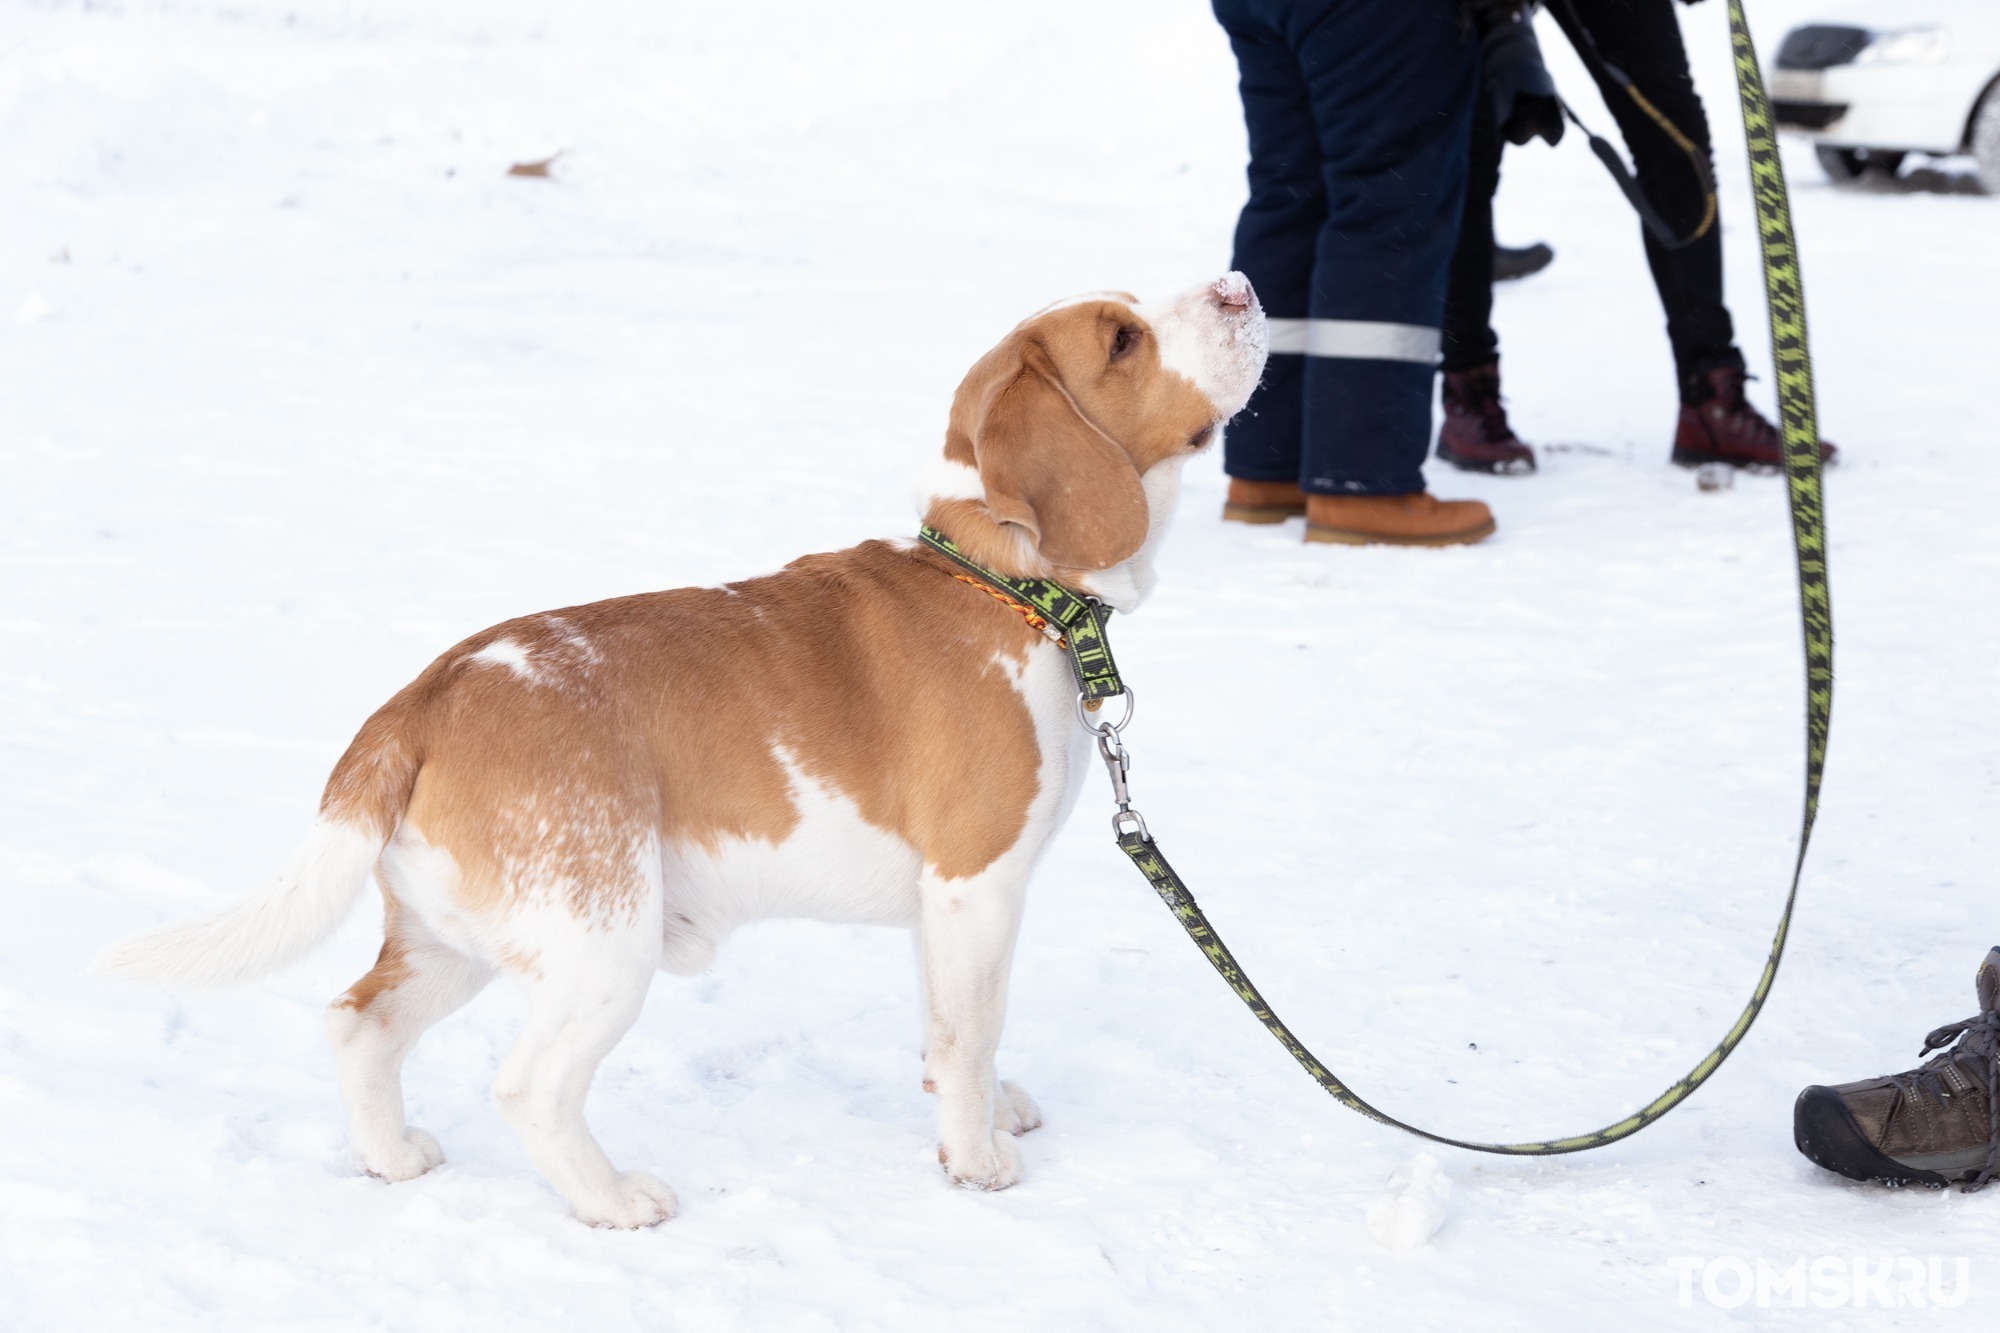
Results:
<point x="1734" y="402"/>
<point x="1977" y="1038"/>
<point x="1483" y="400"/>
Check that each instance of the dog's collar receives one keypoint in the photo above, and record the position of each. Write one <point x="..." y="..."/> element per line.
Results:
<point x="1073" y="621"/>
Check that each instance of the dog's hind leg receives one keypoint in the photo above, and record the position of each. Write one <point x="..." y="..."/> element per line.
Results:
<point x="416" y="981"/>
<point x="586" y="984"/>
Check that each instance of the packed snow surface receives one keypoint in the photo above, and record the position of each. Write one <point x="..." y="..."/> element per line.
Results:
<point x="301" y="386"/>
<point x="1412" y="1208"/>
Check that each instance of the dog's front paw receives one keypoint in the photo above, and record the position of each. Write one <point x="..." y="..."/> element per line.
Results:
<point x="993" y="1166"/>
<point x="416" y="1154"/>
<point x="635" y="1200"/>
<point x="1014" y="1111"/>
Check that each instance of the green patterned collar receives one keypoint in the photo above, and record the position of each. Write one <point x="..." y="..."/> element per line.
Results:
<point x="1078" y="621"/>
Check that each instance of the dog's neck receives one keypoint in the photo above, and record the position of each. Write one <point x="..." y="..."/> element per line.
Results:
<point x="950" y="499"/>
<point x="1130" y="582"/>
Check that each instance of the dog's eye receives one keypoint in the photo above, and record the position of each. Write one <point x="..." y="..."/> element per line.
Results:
<point x="1201" y="437"/>
<point x="1125" y="340"/>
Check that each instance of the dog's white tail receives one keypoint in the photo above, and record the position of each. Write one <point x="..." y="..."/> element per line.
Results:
<point x="273" y="926"/>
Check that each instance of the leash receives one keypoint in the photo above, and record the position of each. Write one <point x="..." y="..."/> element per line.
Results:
<point x="1097" y="675"/>
<point x="1649" y="216"/>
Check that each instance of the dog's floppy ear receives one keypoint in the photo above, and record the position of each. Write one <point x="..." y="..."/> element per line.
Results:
<point x="1047" y="468"/>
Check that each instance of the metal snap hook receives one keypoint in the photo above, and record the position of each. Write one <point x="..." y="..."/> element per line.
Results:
<point x="1130" y="821"/>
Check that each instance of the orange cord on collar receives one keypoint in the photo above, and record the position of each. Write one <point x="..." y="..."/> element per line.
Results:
<point x="1034" y="618"/>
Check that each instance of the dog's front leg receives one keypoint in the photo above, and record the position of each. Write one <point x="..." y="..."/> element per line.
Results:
<point x="965" y="947"/>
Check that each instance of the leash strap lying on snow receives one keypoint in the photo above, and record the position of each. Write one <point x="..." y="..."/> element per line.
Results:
<point x="1802" y="477"/>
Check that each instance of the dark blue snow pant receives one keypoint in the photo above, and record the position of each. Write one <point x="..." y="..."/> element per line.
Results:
<point x="1358" y="112"/>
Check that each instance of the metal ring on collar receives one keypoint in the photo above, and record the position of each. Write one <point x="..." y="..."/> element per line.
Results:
<point x="1106" y="728"/>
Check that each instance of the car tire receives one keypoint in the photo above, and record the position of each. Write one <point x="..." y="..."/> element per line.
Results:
<point x="1841" y="165"/>
<point x="1986" y="140"/>
<point x="1844" y="166"/>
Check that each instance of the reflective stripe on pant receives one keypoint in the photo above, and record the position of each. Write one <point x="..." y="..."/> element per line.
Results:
<point x="1359" y="338"/>
<point x="1358" y="112"/>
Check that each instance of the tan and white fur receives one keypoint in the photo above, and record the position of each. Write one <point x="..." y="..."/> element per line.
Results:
<point x="583" y="797"/>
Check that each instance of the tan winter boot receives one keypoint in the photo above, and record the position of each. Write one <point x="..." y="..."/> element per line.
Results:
<point x="1263" y="501"/>
<point x="1418" y="519"/>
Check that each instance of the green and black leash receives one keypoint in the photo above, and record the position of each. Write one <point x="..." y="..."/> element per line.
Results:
<point x="1097" y="677"/>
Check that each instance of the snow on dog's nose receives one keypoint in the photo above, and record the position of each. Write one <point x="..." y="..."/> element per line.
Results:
<point x="1216" y="336"/>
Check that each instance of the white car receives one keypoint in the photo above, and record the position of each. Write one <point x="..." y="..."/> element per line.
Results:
<point x="1876" y="81"/>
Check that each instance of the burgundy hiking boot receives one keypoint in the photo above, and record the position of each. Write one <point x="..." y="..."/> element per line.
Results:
<point x="1475" y="436"/>
<point x="1931" y="1125"/>
<point x="1718" y="425"/>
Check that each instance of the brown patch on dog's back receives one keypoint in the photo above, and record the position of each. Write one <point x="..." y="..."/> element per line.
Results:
<point x="556" y="746"/>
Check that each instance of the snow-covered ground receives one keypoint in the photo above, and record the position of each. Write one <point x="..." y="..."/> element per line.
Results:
<point x="297" y="387"/>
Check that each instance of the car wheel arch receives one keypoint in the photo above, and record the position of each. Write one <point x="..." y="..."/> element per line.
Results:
<point x="1987" y="94"/>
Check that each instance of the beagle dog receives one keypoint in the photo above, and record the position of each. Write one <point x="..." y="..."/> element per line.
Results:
<point x="582" y="797"/>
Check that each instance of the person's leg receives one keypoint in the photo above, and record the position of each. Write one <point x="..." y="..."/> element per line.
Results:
<point x="1392" y="84"/>
<point x="1275" y="236"/>
<point x="1469" y="339"/>
<point x="1475" y="436"/>
<point x="1643" y="39"/>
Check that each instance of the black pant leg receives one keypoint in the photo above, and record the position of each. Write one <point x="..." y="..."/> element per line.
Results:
<point x="1643" y="38"/>
<point x="1469" y="339"/>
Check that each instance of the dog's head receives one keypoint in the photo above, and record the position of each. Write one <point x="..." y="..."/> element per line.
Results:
<point x="1063" y="455"/>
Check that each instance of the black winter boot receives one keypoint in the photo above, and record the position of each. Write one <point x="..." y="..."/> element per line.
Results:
<point x="1932" y="1125"/>
<point x="1510" y="263"/>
